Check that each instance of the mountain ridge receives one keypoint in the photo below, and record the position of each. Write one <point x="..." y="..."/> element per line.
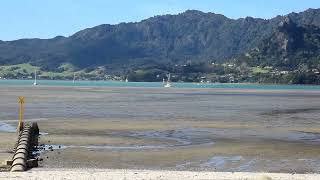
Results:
<point x="159" y="42"/>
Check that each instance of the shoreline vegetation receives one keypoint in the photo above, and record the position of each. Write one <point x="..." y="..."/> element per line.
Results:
<point x="203" y="72"/>
<point x="196" y="83"/>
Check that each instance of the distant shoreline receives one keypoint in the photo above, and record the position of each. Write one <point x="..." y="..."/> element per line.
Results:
<point x="178" y="85"/>
<point x="88" y="80"/>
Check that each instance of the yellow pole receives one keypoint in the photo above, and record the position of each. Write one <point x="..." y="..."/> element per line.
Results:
<point x="21" y="101"/>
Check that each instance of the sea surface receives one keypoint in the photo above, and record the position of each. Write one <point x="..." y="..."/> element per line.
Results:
<point x="156" y="84"/>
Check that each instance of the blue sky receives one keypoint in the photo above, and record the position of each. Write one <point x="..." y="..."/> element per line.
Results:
<point x="49" y="18"/>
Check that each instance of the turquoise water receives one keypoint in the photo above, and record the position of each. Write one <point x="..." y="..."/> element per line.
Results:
<point x="155" y="84"/>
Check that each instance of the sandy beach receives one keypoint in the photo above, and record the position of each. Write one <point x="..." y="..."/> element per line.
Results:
<point x="57" y="174"/>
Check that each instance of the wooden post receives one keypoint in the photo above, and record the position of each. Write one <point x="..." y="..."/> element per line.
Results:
<point x="21" y="102"/>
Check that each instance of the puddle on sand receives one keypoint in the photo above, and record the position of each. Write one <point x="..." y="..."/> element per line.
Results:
<point x="46" y="147"/>
<point x="43" y="133"/>
<point x="4" y="127"/>
<point x="220" y="162"/>
<point x="304" y="136"/>
<point x="181" y="138"/>
<point x="253" y="164"/>
<point x="51" y="147"/>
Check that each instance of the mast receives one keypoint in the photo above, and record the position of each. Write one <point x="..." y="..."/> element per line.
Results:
<point x="74" y="78"/>
<point x="168" y="84"/>
<point x="35" y="78"/>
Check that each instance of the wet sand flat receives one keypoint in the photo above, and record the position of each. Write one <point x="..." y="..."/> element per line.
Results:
<point x="7" y="142"/>
<point x="172" y="129"/>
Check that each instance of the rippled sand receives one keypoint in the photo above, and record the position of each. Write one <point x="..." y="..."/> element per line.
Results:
<point x="173" y="129"/>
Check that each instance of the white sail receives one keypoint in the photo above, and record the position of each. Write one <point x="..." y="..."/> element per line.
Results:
<point x="168" y="84"/>
<point x="74" y="78"/>
<point x="35" y="78"/>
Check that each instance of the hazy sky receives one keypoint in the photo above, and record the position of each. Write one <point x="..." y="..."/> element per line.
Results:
<point x="49" y="18"/>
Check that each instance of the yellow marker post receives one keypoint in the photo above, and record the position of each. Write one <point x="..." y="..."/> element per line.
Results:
<point x="21" y="101"/>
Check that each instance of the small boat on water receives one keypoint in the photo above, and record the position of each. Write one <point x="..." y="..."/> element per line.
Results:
<point x="35" y="78"/>
<point x="127" y="80"/>
<point x="74" y="78"/>
<point x="168" y="84"/>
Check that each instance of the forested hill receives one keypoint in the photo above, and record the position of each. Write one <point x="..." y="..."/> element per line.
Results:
<point x="162" y="42"/>
<point x="289" y="47"/>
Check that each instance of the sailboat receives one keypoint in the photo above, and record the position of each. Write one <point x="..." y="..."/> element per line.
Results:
<point x="74" y="78"/>
<point x="35" y="78"/>
<point x="168" y="84"/>
<point x="127" y="80"/>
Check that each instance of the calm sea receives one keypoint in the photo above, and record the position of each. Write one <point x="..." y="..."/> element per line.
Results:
<point x="155" y="84"/>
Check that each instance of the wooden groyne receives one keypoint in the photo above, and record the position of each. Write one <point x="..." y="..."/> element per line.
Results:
<point x="27" y="142"/>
